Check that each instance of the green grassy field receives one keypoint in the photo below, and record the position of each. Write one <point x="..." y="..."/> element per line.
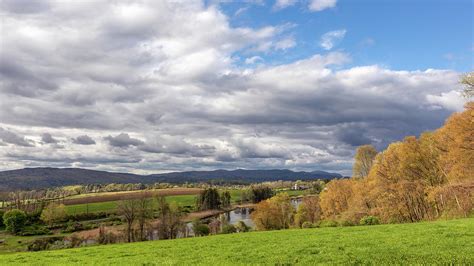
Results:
<point x="111" y="206"/>
<point x="441" y="242"/>
<point x="181" y="200"/>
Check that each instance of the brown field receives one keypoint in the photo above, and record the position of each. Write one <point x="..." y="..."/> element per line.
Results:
<point x="132" y="195"/>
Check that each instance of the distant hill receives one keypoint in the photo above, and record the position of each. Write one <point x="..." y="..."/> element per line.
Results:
<point x="39" y="178"/>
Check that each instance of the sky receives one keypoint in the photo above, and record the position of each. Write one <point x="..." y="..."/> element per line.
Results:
<point x="155" y="86"/>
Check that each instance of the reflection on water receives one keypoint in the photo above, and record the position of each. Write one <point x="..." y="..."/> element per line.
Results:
<point x="240" y="214"/>
<point x="296" y="202"/>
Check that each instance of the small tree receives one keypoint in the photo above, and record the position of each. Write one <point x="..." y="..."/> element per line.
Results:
<point x="14" y="220"/>
<point x="225" y="199"/>
<point x="128" y="208"/>
<point x="209" y="199"/>
<point x="144" y="213"/>
<point x="364" y="160"/>
<point x="53" y="213"/>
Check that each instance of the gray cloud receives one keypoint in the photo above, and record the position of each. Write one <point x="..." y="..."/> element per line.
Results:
<point x="183" y="99"/>
<point x="83" y="140"/>
<point x="13" y="138"/>
<point x="123" y="140"/>
<point x="48" y="139"/>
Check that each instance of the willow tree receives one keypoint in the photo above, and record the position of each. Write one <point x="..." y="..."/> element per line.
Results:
<point x="364" y="159"/>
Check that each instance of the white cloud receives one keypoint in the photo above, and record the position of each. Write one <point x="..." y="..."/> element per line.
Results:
<point x="285" y="43"/>
<point x="320" y="5"/>
<point x="253" y="60"/>
<point x="452" y="100"/>
<point x="281" y="4"/>
<point x="330" y="39"/>
<point x="172" y="97"/>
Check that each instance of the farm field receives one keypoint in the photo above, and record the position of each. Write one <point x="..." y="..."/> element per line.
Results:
<point x="111" y="206"/>
<point x="440" y="242"/>
<point x="108" y="205"/>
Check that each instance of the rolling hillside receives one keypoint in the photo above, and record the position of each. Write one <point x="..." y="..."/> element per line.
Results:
<point x="441" y="242"/>
<point x="38" y="178"/>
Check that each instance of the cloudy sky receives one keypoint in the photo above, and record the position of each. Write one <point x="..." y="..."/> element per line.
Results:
<point x="151" y="86"/>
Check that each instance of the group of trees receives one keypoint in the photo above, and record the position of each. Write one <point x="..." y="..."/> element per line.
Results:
<point x="412" y="180"/>
<point x="415" y="179"/>
<point x="138" y="213"/>
<point x="256" y="194"/>
<point x="211" y="199"/>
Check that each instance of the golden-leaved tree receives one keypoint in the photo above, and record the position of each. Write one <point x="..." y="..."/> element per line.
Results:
<point x="411" y="180"/>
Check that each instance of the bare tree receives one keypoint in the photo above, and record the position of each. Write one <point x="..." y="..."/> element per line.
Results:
<point x="144" y="212"/>
<point x="128" y="208"/>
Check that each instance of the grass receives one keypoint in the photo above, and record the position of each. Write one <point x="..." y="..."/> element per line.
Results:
<point x="17" y="243"/>
<point x="441" y="242"/>
<point x="111" y="206"/>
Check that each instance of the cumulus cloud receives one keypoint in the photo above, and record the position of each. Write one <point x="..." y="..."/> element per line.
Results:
<point x="330" y="39"/>
<point x="320" y="5"/>
<point x="173" y="97"/>
<point x="83" y="140"/>
<point x="123" y="140"/>
<point x="48" y="139"/>
<point x="281" y="4"/>
<point x="11" y="137"/>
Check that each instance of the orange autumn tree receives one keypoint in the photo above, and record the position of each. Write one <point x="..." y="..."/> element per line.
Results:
<point x="456" y="144"/>
<point x="412" y="180"/>
<point x="274" y="213"/>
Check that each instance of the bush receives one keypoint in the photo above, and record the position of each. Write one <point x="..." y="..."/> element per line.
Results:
<point x="34" y="230"/>
<point x="307" y="225"/>
<point x="1" y="218"/>
<point x="33" y="217"/>
<point x="346" y="223"/>
<point x="43" y="243"/>
<point x="54" y="213"/>
<point x="87" y="216"/>
<point x="73" y="227"/>
<point x="228" y="229"/>
<point x="241" y="227"/>
<point x="14" y="220"/>
<point x="369" y="220"/>
<point x="328" y="223"/>
<point x="201" y="229"/>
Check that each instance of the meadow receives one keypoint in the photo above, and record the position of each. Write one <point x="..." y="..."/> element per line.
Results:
<point x="105" y="203"/>
<point x="440" y="242"/>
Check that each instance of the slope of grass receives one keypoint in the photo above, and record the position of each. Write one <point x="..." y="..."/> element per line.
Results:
<point x="442" y="242"/>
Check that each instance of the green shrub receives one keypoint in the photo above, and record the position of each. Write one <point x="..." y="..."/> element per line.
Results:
<point x="369" y="220"/>
<point x="43" y="243"/>
<point x="72" y="226"/>
<point x="1" y="218"/>
<point x="201" y="229"/>
<point x="87" y="216"/>
<point x="346" y="223"/>
<point x="228" y="229"/>
<point x="34" y="230"/>
<point x="241" y="227"/>
<point x="14" y="220"/>
<point x="307" y="225"/>
<point x="328" y="223"/>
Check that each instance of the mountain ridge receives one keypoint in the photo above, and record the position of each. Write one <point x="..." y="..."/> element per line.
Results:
<point x="45" y="177"/>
